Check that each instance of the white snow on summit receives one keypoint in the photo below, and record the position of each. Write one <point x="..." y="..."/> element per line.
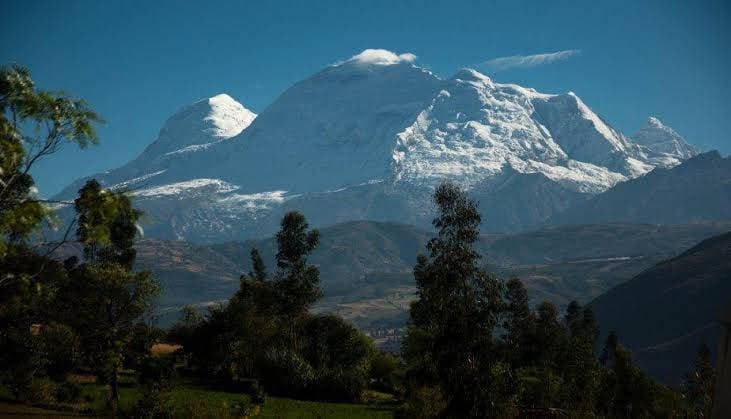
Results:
<point x="202" y="124"/>
<point x="475" y="127"/>
<point x="663" y="140"/>
<point x="228" y="116"/>
<point x="382" y="57"/>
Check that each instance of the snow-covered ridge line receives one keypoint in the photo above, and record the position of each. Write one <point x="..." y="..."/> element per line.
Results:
<point x="215" y="185"/>
<point x="134" y="181"/>
<point x="370" y="137"/>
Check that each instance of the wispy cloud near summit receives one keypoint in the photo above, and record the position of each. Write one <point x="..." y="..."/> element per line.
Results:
<point x="527" y="61"/>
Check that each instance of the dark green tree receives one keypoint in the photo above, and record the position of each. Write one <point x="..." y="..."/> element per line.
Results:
<point x="107" y="225"/>
<point x="296" y="282"/>
<point x="577" y="362"/>
<point x="518" y="324"/>
<point x="549" y="336"/>
<point x="107" y="308"/>
<point x="258" y="268"/>
<point x="590" y="328"/>
<point x="456" y="311"/>
<point x="33" y="125"/>
<point x="183" y="331"/>
<point x="103" y="299"/>
<point x="340" y="356"/>
<point x="609" y="351"/>
<point x="26" y="299"/>
<point x="699" y="383"/>
<point x="573" y="318"/>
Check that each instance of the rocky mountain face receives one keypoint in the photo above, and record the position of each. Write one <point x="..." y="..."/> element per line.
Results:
<point x="369" y="138"/>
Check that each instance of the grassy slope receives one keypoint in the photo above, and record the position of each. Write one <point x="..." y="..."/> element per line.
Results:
<point x="274" y="407"/>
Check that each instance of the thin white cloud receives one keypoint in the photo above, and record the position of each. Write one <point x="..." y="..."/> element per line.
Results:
<point x="381" y="57"/>
<point x="527" y="61"/>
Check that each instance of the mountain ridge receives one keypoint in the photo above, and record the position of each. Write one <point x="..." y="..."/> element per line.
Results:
<point x="378" y="132"/>
<point x="699" y="189"/>
<point x="691" y="289"/>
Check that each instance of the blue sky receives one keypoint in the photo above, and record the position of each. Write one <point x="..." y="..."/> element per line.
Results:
<point x="137" y="62"/>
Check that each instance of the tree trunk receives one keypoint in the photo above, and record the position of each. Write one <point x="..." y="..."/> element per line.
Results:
<point x="114" y="390"/>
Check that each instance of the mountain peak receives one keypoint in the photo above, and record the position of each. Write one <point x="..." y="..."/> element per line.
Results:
<point x="661" y="139"/>
<point x="227" y="116"/>
<point x="200" y="124"/>
<point x="468" y="74"/>
<point x="380" y="57"/>
<point x="654" y="122"/>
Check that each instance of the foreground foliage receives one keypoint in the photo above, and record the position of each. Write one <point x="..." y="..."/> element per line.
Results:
<point x="265" y="332"/>
<point x="475" y="348"/>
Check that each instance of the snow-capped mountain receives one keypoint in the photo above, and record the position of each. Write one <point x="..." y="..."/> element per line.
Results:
<point x="368" y="138"/>
<point x="199" y="126"/>
<point x="665" y="143"/>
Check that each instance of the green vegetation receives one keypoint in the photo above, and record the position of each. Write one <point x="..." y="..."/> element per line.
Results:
<point x="192" y="398"/>
<point x="457" y="365"/>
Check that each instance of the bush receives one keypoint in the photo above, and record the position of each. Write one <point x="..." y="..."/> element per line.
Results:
<point x="138" y="348"/>
<point x="68" y="392"/>
<point x="154" y="404"/>
<point x="41" y="391"/>
<point x="158" y="372"/>
<point x="258" y="395"/>
<point x="285" y="372"/>
<point x="61" y="346"/>
<point x="423" y="402"/>
<point x="338" y="385"/>
<point x="383" y="367"/>
<point x="332" y="343"/>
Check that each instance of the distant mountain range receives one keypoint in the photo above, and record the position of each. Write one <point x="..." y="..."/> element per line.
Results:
<point x="664" y="313"/>
<point x="367" y="139"/>
<point x="697" y="190"/>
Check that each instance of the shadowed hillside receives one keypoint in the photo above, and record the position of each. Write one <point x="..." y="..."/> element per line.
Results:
<point x="665" y="312"/>
<point x="366" y="267"/>
<point x="699" y="189"/>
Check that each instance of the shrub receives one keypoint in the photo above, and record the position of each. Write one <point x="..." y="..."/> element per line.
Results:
<point x="42" y="391"/>
<point x="154" y="404"/>
<point x="382" y="369"/>
<point x="333" y="343"/>
<point x="258" y="395"/>
<point x="142" y="339"/>
<point x="423" y="402"/>
<point x="338" y="385"/>
<point x="285" y="372"/>
<point x="61" y="346"/>
<point x="68" y="392"/>
<point x="158" y="372"/>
